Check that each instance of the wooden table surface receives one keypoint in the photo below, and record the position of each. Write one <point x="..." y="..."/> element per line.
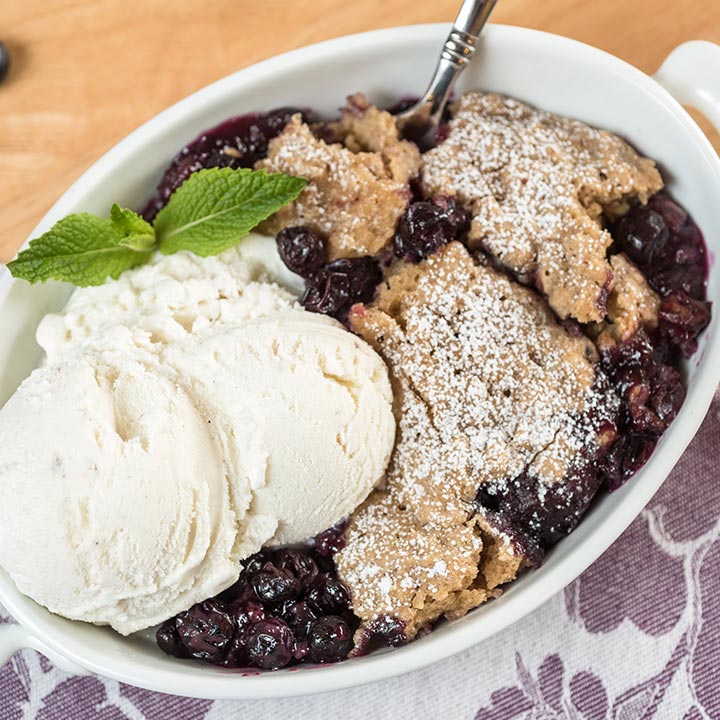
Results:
<point x="87" y="72"/>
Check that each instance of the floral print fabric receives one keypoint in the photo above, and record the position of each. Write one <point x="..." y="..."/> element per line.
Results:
<point x="636" y="637"/>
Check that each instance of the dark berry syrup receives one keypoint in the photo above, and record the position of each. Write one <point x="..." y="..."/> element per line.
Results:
<point x="287" y="607"/>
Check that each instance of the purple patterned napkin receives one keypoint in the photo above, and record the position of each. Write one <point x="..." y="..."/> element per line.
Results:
<point x="636" y="637"/>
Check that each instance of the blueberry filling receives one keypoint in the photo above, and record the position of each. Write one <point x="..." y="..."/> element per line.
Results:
<point x="301" y="249"/>
<point x="236" y="143"/>
<point x="668" y="247"/>
<point x="289" y="606"/>
<point x="339" y="284"/>
<point x="428" y="225"/>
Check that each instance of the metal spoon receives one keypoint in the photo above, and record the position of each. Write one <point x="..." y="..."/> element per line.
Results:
<point x="456" y="54"/>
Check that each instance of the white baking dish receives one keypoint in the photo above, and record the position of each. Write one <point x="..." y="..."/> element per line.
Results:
<point x="554" y="73"/>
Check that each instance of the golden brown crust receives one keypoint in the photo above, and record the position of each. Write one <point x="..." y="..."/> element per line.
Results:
<point x="352" y="198"/>
<point x="365" y="128"/>
<point x="487" y="386"/>
<point x="537" y="185"/>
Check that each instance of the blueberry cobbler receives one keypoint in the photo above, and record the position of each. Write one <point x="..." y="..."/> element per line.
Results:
<point x="528" y="290"/>
<point x="532" y="289"/>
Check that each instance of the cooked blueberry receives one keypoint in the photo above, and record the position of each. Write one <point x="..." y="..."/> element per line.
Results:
<point x="683" y="318"/>
<point x="332" y="540"/>
<point x="246" y="614"/>
<point x="610" y="464"/>
<point x="642" y="234"/>
<point x="270" y="644"/>
<point x="299" y="616"/>
<point x="168" y="640"/>
<point x="654" y="393"/>
<point x="363" y="275"/>
<point x="328" y="596"/>
<point x="302" y="648"/>
<point x="301" y="249"/>
<point x="235" y="655"/>
<point x="427" y="226"/>
<point x="673" y="215"/>
<point x="241" y="591"/>
<point x="340" y="284"/>
<point x="205" y="629"/>
<point x="666" y="244"/>
<point x="637" y="452"/>
<point x="255" y="563"/>
<point x="298" y="563"/>
<point x="330" y="640"/>
<point x="274" y="585"/>
<point x="386" y="631"/>
<point x="238" y="592"/>
<point x="237" y="142"/>
<point x="327" y="293"/>
<point x="390" y="629"/>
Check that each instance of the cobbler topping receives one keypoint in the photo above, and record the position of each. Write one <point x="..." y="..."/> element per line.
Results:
<point x="509" y="419"/>
<point x="488" y="388"/>
<point x="537" y="185"/>
<point x="632" y="303"/>
<point x="365" y="128"/>
<point x="353" y="199"/>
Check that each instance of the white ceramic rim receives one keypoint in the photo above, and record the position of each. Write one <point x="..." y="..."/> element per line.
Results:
<point x="75" y="656"/>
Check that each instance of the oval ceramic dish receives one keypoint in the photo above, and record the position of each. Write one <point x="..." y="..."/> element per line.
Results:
<point x="551" y="72"/>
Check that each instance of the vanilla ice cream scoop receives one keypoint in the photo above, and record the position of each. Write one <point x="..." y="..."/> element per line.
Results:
<point x="177" y="295"/>
<point x="188" y="414"/>
<point x="304" y="407"/>
<point x="116" y="507"/>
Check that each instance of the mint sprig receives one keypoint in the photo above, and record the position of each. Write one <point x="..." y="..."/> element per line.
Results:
<point x="213" y="209"/>
<point x="209" y="213"/>
<point x="135" y="232"/>
<point x="81" y="249"/>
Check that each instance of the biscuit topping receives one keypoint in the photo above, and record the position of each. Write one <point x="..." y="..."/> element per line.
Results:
<point x="354" y="198"/>
<point x="489" y="389"/>
<point x="537" y="185"/>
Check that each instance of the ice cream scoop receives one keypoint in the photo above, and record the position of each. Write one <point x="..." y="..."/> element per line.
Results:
<point x="188" y="414"/>
<point x="177" y="295"/>
<point x="304" y="408"/>
<point x="116" y="507"/>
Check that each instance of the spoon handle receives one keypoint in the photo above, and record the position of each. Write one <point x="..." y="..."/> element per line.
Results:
<point x="472" y="17"/>
<point x="459" y="48"/>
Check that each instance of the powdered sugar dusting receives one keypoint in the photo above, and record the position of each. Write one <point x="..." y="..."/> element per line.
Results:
<point x="351" y="198"/>
<point x="537" y="184"/>
<point x="488" y="386"/>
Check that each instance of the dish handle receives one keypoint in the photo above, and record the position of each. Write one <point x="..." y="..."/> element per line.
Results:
<point x="691" y="74"/>
<point x="14" y="637"/>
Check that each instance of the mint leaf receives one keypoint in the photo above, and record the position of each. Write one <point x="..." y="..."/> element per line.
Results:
<point x="133" y="231"/>
<point x="210" y="212"/>
<point x="81" y="249"/>
<point x="214" y="209"/>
